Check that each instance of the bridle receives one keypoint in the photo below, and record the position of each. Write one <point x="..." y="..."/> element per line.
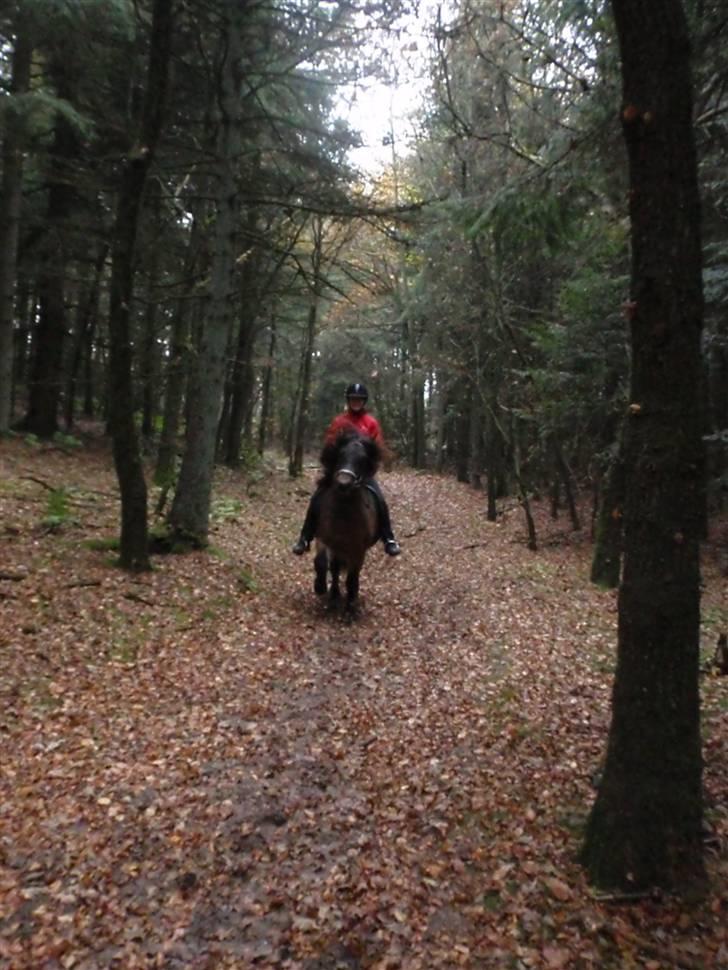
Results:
<point x="356" y="480"/>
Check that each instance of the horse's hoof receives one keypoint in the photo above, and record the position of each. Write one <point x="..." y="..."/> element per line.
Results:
<point x="319" y="587"/>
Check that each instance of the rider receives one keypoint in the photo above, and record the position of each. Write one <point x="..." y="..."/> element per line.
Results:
<point x="356" y="416"/>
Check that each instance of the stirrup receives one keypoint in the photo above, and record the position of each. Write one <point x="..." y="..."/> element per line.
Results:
<point x="392" y="547"/>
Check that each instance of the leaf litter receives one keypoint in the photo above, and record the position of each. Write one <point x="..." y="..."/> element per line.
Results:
<point x="203" y="768"/>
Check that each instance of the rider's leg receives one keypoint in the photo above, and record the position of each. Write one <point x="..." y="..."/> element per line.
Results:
<point x="309" y="525"/>
<point x="391" y="546"/>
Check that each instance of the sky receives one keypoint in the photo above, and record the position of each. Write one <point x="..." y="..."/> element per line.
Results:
<point x="378" y="112"/>
<point x="379" y="108"/>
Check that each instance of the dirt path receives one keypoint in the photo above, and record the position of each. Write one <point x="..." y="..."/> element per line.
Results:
<point x="206" y="770"/>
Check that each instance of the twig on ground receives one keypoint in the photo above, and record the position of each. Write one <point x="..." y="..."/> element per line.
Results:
<point x="138" y="599"/>
<point x="39" y="481"/>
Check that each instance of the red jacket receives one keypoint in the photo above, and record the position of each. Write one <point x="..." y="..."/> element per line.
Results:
<point x="362" y="421"/>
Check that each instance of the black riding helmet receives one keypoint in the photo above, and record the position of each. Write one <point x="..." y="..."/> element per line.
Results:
<point x="357" y="390"/>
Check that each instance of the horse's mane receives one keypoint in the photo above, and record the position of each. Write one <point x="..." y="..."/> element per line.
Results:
<point x="330" y="454"/>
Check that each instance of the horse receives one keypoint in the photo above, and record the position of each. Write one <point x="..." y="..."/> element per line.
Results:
<point x="348" y="520"/>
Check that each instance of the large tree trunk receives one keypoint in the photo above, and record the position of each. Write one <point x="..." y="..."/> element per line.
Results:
<point x="645" y="826"/>
<point x="190" y="512"/>
<point x="10" y="201"/>
<point x="134" y="553"/>
<point x="46" y="375"/>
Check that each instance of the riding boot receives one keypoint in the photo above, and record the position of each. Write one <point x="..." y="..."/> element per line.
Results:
<point x="310" y="524"/>
<point x="391" y="546"/>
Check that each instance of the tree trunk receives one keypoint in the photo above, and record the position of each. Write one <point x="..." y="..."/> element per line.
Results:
<point x="417" y="412"/>
<point x="607" y="557"/>
<point x="476" y="461"/>
<point x="522" y="489"/>
<point x="178" y="365"/>
<point x="25" y="312"/>
<point x="462" y="432"/>
<point x="441" y="416"/>
<point x="645" y="827"/>
<point x="11" y="193"/>
<point x="46" y="376"/>
<point x="134" y="553"/>
<point x="267" y="391"/>
<point x="295" y="465"/>
<point x="241" y="383"/>
<point x="494" y="459"/>
<point x="566" y="479"/>
<point x="89" y="383"/>
<point x="150" y="363"/>
<point x="190" y="512"/>
<point x="88" y="308"/>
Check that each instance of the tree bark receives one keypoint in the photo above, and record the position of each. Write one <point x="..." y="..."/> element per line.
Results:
<point x="134" y="554"/>
<point x="190" y="512"/>
<point x="46" y="373"/>
<point x="150" y="362"/>
<point x="85" y="322"/>
<point x="241" y="383"/>
<point x="464" y="398"/>
<point x="607" y="557"/>
<point x="266" y="402"/>
<point x="11" y="192"/>
<point x="645" y="826"/>
<point x="178" y="365"/>
<point x="295" y="465"/>
<point x="566" y="479"/>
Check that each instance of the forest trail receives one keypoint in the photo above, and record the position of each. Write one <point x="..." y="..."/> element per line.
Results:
<point x="204" y="769"/>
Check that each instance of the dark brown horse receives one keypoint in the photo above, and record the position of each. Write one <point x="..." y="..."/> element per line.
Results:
<point x="348" y="521"/>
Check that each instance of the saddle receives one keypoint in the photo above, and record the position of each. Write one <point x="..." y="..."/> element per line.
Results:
<point x="377" y="503"/>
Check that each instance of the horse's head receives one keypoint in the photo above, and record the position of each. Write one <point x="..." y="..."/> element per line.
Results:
<point x="350" y="460"/>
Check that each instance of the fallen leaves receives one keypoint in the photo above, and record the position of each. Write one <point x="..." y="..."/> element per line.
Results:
<point x="199" y="773"/>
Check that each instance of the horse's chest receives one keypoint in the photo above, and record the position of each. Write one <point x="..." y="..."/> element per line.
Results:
<point x="349" y="525"/>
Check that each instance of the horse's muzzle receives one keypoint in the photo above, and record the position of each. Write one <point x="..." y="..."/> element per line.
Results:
<point x="346" y="479"/>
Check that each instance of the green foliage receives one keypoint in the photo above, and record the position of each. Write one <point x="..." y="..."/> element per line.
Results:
<point x="57" y="510"/>
<point x="111" y="544"/>
<point x="36" y="111"/>
<point x="225" y="507"/>
<point x="67" y="440"/>
<point x="247" y="580"/>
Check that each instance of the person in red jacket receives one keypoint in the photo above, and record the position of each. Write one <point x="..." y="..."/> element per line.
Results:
<point x="356" y="416"/>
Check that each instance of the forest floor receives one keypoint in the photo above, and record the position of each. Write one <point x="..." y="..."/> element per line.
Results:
<point x="202" y="768"/>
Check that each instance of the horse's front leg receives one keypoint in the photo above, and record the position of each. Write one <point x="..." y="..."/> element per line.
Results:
<point x="321" y="565"/>
<point x="352" y="592"/>
<point x="334" y="591"/>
